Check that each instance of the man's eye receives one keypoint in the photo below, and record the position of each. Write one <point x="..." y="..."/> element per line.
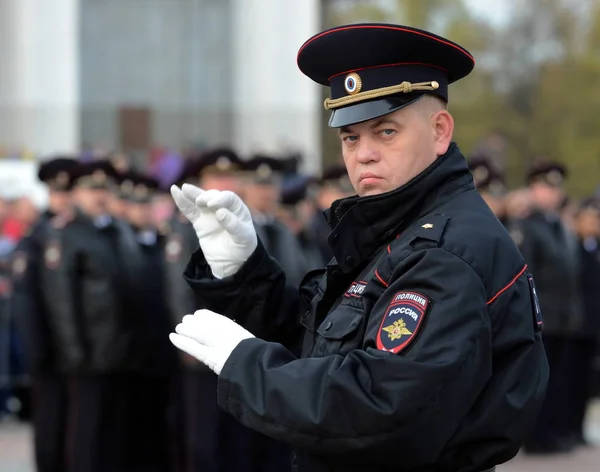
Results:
<point x="350" y="138"/>
<point x="387" y="132"/>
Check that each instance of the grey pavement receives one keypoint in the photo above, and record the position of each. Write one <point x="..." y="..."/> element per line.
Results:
<point x="16" y="452"/>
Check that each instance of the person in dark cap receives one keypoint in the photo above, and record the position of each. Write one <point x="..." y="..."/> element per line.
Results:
<point x="89" y="263"/>
<point x="583" y="348"/>
<point x="421" y="339"/>
<point x="490" y="183"/>
<point x="31" y="313"/>
<point x="152" y="360"/>
<point x="296" y="211"/>
<point x="550" y="251"/>
<point x="263" y="176"/>
<point x="209" y="438"/>
<point x="117" y="202"/>
<point x="333" y="185"/>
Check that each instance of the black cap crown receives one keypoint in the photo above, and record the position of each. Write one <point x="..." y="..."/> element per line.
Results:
<point x="486" y="177"/>
<point x="549" y="172"/>
<point x="55" y="173"/>
<point x="374" y="69"/>
<point x="97" y="174"/>
<point x="215" y="161"/>
<point x="137" y="187"/>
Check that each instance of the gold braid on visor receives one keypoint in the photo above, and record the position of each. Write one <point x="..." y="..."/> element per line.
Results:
<point x="404" y="87"/>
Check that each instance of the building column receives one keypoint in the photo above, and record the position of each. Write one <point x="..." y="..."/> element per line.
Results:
<point x="275" y="106"/>
<point x="39" y="76"/>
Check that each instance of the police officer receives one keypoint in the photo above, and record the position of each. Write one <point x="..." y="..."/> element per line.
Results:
<point x="151" y="359"/>
<point x="583" y="347"/>
<point x="262" y="187"/>
<point x="422" y="346"/>
<point x="213" y="440"/>
<point x="551" y="254"/>
<point x="31" y="315"/>
<point x="296" y="211"/>
<point x="490" y="183"/>
<point x="333" y="185"/>
<point x="87" y="264"/>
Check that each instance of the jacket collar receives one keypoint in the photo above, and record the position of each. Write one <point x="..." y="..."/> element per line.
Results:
<point x="360" y="225"/>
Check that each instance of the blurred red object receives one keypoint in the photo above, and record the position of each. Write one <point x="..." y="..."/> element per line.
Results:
<point x="13" y="228"/>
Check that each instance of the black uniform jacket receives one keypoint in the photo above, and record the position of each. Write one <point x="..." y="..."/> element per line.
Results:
<point x="552" y="255"/>
<point x="422" y="346"/>
<point x="84" y="278"/>
<point x="27" y="305"/>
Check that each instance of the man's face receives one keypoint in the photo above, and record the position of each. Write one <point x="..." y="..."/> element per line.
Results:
<point x="385" y="153"/>
<point x="547" y="197"/>
<point x="262" y="197"/>
<point x="116" y="206"/>
<point x="93" y="202"/>
<point x="58" y="201"/>
<point x="588" y="223"/>
<point x="140" y="214"/>
<point x="220" y="182"/>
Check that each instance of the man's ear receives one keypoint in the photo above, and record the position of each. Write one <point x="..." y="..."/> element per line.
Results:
<point x="443" y="129"/>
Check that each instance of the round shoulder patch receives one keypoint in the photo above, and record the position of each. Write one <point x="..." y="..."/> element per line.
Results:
<point x="19" y="264"/>
<point x="53" y="255"/>
<point x="174" y="248"/>
<point x="402" y="321"/>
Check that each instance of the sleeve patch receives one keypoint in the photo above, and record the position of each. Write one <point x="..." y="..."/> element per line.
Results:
<point x="53" y="255"/>
<point x="19" y="264"/>
<point x="174" y="248"/>
<point x="402" y="321"/>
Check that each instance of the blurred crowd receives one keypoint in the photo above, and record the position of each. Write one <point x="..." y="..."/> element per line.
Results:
<point x="91" y="287"/>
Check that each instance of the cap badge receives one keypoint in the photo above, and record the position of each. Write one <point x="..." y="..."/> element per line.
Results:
<point x="554" y="177"/>
<point x="99" y="176"/>
<point x="264" y="171"/>
<point x="480" y="174"/>
<point x="223" y="163"/>
<point x="353" y="83"/>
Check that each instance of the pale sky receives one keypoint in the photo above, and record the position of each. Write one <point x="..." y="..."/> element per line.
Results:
<point x="496" y="11"/>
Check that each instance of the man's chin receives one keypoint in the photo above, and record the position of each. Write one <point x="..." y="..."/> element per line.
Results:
<point x="373" y="189"/>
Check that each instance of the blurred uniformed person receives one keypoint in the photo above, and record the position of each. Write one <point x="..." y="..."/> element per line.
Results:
<point x="296" y="211"/>
<point x="584" y="346"/>
<point x="87" y="265"/>
<point x="333" y="185"/>
<point x="117" y="200"/>
<point x="152" y="360"/>
<point x="32" y="316"/>
<point x="550" y="252"/>
<point x="490" y="184"/>
<point x="421" y="341"/>
<point x="262" y="186"/>
<point x="213" y="440"/>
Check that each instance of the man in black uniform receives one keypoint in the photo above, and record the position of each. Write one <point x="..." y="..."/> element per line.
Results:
<point x="88" y="260"/>
<point x="422" y="347"/>
<point x="152" y="360"/>
<point x="551" y="253"/>
<point x="31" y="314"/>
<point x="584" y="347"/>
<point x="263" y="177"/>
<point x="213" y="441"/>
<point x="333" y="185"/>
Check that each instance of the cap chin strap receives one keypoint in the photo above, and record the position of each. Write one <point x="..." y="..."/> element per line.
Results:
<point x="404" y="87"/>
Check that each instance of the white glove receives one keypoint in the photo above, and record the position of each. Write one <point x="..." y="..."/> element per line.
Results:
<point x="223" y="225"/>
<point x="209" y="337"/>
